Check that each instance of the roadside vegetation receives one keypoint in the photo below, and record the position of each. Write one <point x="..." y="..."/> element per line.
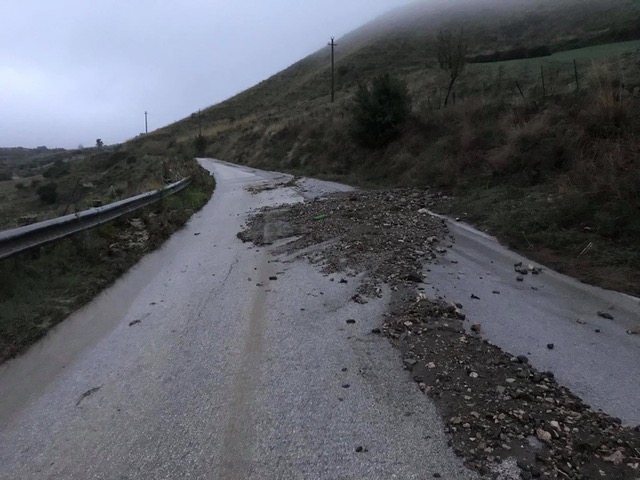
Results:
<point x="43" y="286"/>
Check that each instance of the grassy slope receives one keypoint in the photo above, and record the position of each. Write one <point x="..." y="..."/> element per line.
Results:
<point x="555" y="176"/>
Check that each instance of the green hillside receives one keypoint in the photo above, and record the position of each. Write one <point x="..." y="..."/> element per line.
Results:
<point x="541" y="151"/>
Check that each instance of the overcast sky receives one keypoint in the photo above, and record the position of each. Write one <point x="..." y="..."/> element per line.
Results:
<point x="72" y="71"/>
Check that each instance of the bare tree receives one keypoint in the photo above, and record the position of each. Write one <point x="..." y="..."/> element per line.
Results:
<point x="452" y="52"/>
<point x="99" y="143"/>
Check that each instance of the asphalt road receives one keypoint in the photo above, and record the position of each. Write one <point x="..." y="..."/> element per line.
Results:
<point x="227" y="374"/>
<point x="593" y="356"/>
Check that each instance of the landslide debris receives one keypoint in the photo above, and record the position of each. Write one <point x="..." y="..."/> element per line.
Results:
<point x="387" y="234"/>
<point x="496" y="406"/>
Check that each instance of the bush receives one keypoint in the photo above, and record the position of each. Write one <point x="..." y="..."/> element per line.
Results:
<point x="380" y="111"/>
<point x="59" y="169"/>
<point x="200" y="143"/>
<point x="48" y="193"/>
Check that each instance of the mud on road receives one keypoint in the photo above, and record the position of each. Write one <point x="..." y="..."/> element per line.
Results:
<point x="498" y="408"/>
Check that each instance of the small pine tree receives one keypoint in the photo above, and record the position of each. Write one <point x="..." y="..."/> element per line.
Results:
<point x="380" y="111"/>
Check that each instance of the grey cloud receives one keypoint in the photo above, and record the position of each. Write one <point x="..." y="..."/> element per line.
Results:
<point x="75" y="70"/>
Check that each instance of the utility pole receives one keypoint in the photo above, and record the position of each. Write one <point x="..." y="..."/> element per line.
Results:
<point x="146" y="127"/>
<point x="333" y="45"/>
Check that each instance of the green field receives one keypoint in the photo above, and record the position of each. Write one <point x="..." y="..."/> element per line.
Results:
<point x="584" y="56"/>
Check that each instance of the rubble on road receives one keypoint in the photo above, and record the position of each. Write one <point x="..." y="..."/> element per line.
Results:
<point x="496" y="406"/>
<point x="387" y="234"/>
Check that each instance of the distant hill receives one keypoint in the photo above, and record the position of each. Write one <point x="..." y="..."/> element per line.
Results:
<point x="540" y="150"/>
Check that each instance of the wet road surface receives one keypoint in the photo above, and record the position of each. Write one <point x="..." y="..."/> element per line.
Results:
<point x="224" y="372"/>
<point x="593" y="356"/>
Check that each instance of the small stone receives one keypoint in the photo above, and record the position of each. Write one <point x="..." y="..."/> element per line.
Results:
<point x="616" y="458"/>
<point x="523" y="359"/>
<point x="606" y="315"/>
<point x="135" y="322"/>
<point x="343" y="281"/>
<point x="476" y="327"/>
<point x="496" y="292"/>
<point x="431" y="365"/>
<point x="550" y="346"/>
<point x="410" y="363"/>
<point x="500" y="389"/>
<point x="473" y="375"/>
<point x="376" y="331"/>
<point x="543" y="435"/>
<point x="520" y="279"/>
<point x="346" y="385"/>
<point x="414" y="277"/>
<point x="475" y="297"/>
<point x="437" y="475"/>
<point x="273" y="278"/>
<point x="351" y="321"/>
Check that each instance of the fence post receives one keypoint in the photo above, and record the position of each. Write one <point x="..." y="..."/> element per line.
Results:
<point x="575" y="70"/>
<point x="544" y="89"/>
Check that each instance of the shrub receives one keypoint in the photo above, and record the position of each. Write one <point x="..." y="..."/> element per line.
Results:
<point x="200" y="143"/>
<point x="48" y="193"/>
<point x="380" y="111"/>
<point x="59" y="169"/>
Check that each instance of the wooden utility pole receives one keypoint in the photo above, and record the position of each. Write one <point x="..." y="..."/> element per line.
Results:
<point x="146" y="127"/>
<point x="333" y="45"/>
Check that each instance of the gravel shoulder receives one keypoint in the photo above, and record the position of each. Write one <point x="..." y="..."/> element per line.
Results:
<point x="506" y="418"/>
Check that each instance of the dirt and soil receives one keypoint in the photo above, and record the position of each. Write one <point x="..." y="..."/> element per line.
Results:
<point x="497" y="407"/>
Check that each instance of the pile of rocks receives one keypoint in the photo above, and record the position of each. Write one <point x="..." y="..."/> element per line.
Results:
<point x="388" y="234"/>
<point x="497" y="406"/>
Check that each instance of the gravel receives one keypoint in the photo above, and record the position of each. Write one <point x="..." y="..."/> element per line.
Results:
<point x="498" y="408"/>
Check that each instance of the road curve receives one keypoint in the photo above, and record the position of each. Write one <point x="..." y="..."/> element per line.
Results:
<point x="197" y="364"/>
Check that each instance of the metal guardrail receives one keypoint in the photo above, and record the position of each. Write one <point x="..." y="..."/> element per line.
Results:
<point x="23" y="238"/>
